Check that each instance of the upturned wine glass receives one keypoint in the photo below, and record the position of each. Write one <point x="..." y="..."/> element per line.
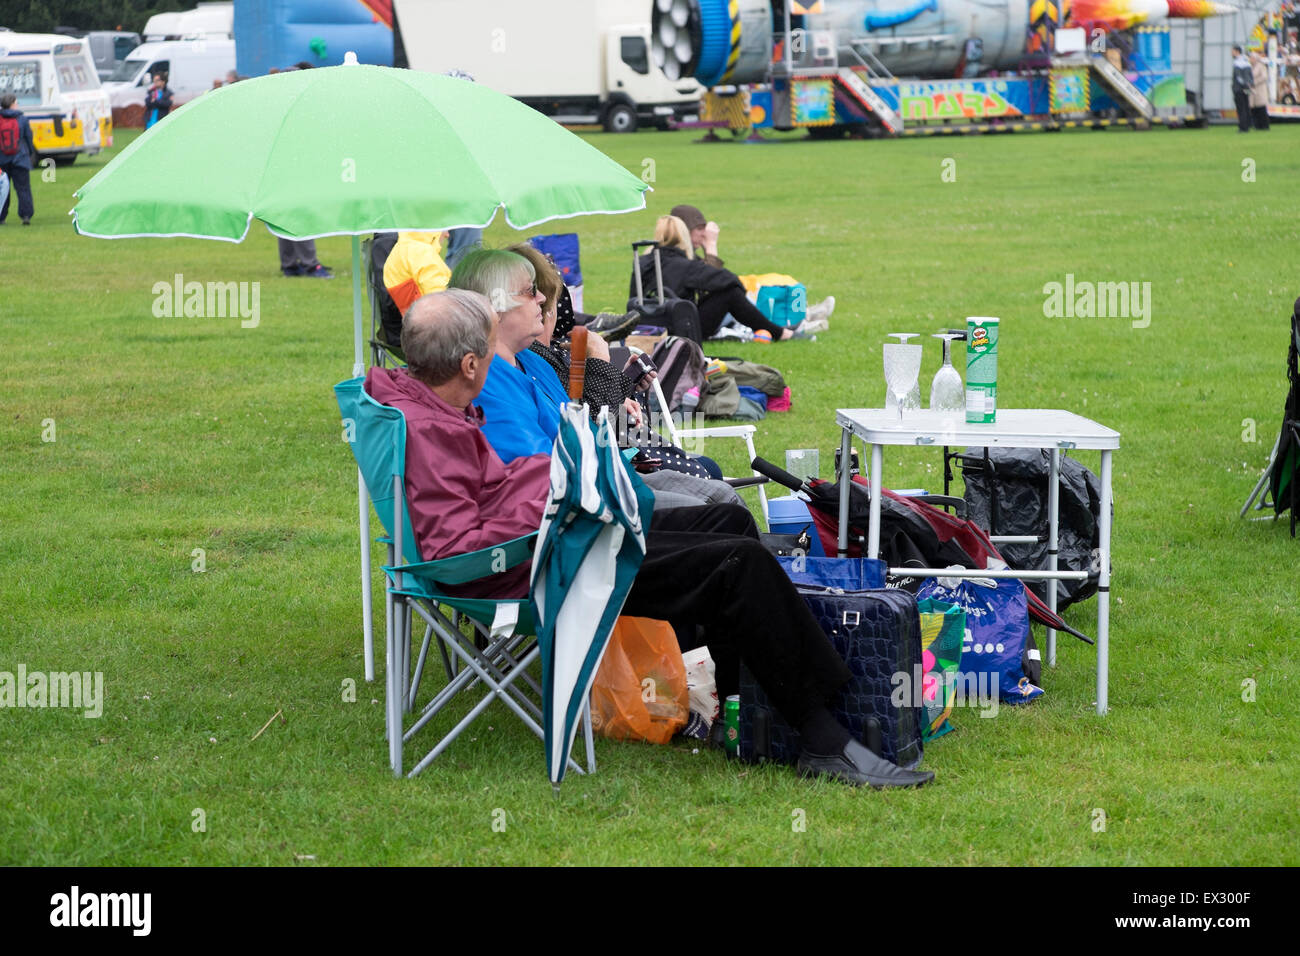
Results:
<point x="902" y="370"/>
<point x="947" y="393"/>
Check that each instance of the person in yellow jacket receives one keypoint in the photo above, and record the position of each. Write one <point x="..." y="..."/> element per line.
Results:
<point x="415" y="267"/>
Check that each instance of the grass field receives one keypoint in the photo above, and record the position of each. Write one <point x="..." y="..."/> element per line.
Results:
<point x="175" y="434"/>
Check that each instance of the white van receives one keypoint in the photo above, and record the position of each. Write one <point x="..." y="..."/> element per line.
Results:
<point x="58" y="89"/>
<point x="109" y="48"/>
<point x="190" y="66"/>
<point x="211" y="20"/>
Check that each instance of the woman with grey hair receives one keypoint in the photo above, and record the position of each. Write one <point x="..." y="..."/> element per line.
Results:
<point x="522" y="395"/>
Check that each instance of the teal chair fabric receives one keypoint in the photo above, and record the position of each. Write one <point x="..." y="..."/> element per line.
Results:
<point x="500" y="653"/>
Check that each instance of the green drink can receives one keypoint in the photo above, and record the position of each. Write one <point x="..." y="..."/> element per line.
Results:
<point x="731" y="719"/>
<point x="981" y="369"/>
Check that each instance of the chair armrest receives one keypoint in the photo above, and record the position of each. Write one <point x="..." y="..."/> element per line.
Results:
<point x="718" y="431"/>
<point x="463" y="568"/>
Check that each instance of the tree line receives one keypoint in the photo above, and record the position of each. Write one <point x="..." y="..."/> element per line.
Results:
<point x="43" y="16"/>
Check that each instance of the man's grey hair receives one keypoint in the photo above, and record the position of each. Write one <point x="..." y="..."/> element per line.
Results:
<point x="441" y="328"/>
<point x="495" y="273"/>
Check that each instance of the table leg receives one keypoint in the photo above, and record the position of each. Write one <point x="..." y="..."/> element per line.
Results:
<point x="846" y="454"/>
<point x="877" y="483"/>
<point x="1053" y="544"/>
<point x="1103" y="588"/>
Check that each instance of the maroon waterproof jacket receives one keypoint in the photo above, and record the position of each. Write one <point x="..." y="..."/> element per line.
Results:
<point x="459" y="494"/>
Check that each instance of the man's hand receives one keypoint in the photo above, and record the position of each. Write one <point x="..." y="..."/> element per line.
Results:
<point x="711" y="238"/>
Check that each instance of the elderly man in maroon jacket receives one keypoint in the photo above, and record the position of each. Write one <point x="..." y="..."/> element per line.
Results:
<point x="704" y="563"/>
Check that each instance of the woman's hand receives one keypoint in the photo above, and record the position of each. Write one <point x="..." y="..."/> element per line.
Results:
<point x="597" y="348"/>
<point x="633" y="409"/>
<point x="647" y="376"/>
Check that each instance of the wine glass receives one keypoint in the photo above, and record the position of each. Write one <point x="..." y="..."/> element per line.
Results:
<point x="902" y="368"/>
<point x="913" y="400"/>
<point x="947" y="394"/>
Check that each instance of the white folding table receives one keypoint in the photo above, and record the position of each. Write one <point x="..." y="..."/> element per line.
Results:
<point x="1015" y="428"/>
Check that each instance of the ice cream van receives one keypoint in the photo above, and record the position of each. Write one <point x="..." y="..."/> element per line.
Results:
<point x="58" y="89"/>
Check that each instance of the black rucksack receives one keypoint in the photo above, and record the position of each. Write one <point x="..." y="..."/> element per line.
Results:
<point x="11" y="135"/>
<point x="390" y="316"/>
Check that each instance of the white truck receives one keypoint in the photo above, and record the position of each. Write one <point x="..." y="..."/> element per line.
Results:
<point x="579" y="61"/>
<point x="193" y="48"/>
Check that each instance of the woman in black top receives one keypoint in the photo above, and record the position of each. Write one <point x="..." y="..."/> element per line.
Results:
<point x="714" y="291"/>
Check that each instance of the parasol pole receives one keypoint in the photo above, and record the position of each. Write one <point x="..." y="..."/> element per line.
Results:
<point x="363" y="498"/>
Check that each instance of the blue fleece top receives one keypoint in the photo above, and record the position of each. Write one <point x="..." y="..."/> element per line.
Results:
<point x="521" y="406"/>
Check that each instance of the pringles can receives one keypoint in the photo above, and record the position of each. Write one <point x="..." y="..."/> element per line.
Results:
<point x="981" y="369"/>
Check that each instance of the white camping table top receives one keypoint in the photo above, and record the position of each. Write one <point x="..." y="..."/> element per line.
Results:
<point x="1014" y="428"/>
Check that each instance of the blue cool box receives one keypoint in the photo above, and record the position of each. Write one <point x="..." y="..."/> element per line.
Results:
<point x="790" y="515"/>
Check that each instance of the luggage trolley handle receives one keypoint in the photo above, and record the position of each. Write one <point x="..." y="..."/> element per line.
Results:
<point x="636" y="269"/>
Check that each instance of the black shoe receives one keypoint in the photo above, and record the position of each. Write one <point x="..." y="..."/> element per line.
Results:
<point x="292" y="271"/>
<point x="610" y="326"/>
<point x="858" y="766"/>
<point x="27" y="221"/>
<point x="317" y="272"/>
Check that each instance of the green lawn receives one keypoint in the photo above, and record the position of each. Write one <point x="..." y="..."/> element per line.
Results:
<point x="176" y="434"/>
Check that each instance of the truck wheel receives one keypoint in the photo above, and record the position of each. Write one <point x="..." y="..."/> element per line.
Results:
<point x="65" y="159"/>
<point x="620" y="118"/>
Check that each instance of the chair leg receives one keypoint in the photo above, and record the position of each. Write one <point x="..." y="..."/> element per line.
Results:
<point x="392" y="693"/>
<point x="762" y="489"/>
<point x="587" y="736"/>
<point x="367" y="613"/>
<point x="419" y="670"/>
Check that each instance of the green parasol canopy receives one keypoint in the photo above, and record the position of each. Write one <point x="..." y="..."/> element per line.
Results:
<point x="349" y="150"/>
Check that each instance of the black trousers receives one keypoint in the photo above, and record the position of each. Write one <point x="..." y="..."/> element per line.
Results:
<point x="297" y="252"/>
<point x="715" y="306"/>
<point x="1242" y="101"/>
<point x="706" y="566"/>
<point x="20" y="182"/>
<point x="1259" y="117"/>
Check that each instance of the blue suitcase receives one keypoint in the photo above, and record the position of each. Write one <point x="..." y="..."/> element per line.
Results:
<point x="878" y="633"/>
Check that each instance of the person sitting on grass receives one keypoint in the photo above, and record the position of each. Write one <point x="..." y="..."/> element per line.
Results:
<point x="715" y="292"/>
<point x="704" y="239"/>
<point x="703" y="563"/>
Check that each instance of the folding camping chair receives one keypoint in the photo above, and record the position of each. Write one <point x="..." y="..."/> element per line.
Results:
<point x="678" y="435"/>
<point x="499" y="652"/>
<point x="1280" y="483"/>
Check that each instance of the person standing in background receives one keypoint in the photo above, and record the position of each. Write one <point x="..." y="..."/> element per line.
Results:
<point x="17" y="157"/>
<point x="158" y="101"/>
<point x="1259" y="91"/>
<point x="1243" y="81"/>
<point x="298" y="256"/>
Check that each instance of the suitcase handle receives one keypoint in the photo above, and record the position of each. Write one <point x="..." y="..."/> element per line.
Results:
<point x="636" y="269"/>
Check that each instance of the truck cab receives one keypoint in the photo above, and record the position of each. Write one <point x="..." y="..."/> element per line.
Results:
<point x="582" y="61"/>
<point x="636" y="92"/>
